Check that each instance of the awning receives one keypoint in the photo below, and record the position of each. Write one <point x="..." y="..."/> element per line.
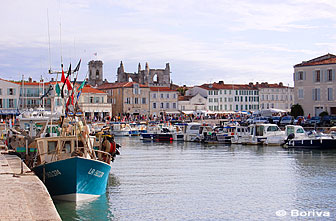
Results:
<point x="188" y="112"/>
<point x="9" y="112"/>
<point x="173" y="112"/>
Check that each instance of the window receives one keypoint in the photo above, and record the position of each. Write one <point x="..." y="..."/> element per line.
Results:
<point x="210" y="100"/>
<point x="91" y="100"/>
<point x="143" y="100"/>
<point x="317" y="76"/>
<point x="167" y="95"/>
<point x="128" y="100"/>
<point x="300" y="93"/>
<point x="52" y="146"/>
<point x="161" y="95"/>
<point x="300" y="75"/>
<point x="237" y="107"/>
<point x="154" y="105"/>
<point x="167" y="105"/>
<point x="329" y="75"/>
<point x="316" y="94"/>
<point x="215" y="92"/>
<point x="330" y="94"/>
<point x="174" y="105"/>
<point x="96" y="99"/>
<point x="0" y="91"/>
<point x="11" y="91"/>
<point x="154" y="95"/>
<point x="161" y="105"/>
<point x="174" y="96"/>
<point x="1" y="103"/>
<point x="136" y="100"/>
<point x="215" y="100"/>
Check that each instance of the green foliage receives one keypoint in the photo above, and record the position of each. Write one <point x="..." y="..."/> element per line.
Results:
<point x="297" y="110"/>
<point x="324" y="113"/>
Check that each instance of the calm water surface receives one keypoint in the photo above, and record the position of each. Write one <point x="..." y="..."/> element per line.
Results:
<point x="192" y="181"/>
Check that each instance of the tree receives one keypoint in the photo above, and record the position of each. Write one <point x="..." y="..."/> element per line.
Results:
<point x="297" y="110"/>
<point x="324" y="113"/>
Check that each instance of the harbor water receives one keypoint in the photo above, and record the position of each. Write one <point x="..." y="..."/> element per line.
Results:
<point x="193" y="181"/>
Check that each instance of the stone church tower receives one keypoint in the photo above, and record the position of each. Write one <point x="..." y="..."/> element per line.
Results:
<point x="95" y="73"/>
<point x="150" y="77"/>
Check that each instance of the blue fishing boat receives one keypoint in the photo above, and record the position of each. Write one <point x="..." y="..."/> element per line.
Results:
<point x="71" y="168"/>
<point x="75" y="178"/>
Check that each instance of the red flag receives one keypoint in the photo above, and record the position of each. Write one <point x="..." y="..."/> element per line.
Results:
<point x="68" y="84"/>
<point x="63" y="76"/>
<point x="72" y="98"/>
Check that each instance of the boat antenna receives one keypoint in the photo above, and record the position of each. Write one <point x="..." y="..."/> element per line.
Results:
<point x="49" y="42"/>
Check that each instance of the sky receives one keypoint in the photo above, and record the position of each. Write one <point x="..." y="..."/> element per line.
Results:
<point x="236" y="41"/>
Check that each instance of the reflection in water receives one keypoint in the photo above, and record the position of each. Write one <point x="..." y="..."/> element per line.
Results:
<point x="188" y="181"/>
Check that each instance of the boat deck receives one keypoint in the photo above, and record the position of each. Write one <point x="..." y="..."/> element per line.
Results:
<point x="23" y="196"/>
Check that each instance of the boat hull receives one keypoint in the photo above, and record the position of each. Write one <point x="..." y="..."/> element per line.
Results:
<point x="74" y="179"/>
<point x="312" y="144"/>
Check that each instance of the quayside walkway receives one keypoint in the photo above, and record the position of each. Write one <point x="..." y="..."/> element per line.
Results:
<point x="23" y="196"/>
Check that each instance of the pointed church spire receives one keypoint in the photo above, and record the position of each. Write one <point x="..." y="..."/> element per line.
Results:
<point x="147" y="68"/>
<point x="139" y="68"/>
<point x="122" y="67"/>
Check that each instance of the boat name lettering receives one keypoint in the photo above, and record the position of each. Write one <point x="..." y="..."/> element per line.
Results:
<point x="96" y="173"/>
<point x="53" y="173"/>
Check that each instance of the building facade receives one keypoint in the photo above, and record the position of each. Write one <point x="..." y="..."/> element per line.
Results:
<point x="229" y="97"/>
<point x="127" y="98"/>
<point x="192" y="103"/>
<point x="93" y="103"/>
<point x="9" y="98"/>
<point x="314" y="85"/>
<point x="275" y="96"/>
<point x="162" y="100"/>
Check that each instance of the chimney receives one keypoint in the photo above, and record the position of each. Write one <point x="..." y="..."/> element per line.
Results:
<point x="221" y="82"/>
<point x="52" y="80"/>
<point x="257" y="83"/>
<point x="281" y="84"/>
<point x="251" y="84"/>
<point x="30" y="79"/>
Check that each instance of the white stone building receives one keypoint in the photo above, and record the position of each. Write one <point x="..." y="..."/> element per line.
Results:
<point x="275" y="96"/>
<point x="9" y="98"/>
<point x="162" y="100"/>
<point x="315" y="85"/>
<point x="192" y="103"/>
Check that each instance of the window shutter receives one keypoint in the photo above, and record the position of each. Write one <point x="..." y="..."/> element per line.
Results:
<point x="7" y="91"/>
<point x="318" y="94"/>
<point x="326" y="75"/>
<point x="331" y="94"/>
<point x="313" y="97"/>
<point x="304" y="75"/>
<point x="321" y="76"/>
<point x="333" y="75"/>
<point x="314" y="76"/>
<point x="14" y="101"/>
<point x="294" y="76"/>
<point x="14" y="91"/>
<point x="7" y="101"/>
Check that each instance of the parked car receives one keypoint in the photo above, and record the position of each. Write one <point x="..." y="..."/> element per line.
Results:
<point x="276" y="119"/>
<point x="300" y="120"/>
<point x="286" y="120"/>
<point x="328" y="120"/>
<point x="260" y="120"/>
<point x="333" y="121"/>
<point x="315" y="120"/>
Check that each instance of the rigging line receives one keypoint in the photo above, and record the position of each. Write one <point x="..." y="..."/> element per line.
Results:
<point x="49" y="42"/>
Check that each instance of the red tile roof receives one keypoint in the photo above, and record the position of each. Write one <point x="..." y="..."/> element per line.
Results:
<point x="161" y="89"/>
<point x="184" y="98"/>
<point x="322" y="60"/>
<point x="89" y="89"/>
<point x="107" y="86"/>
<point x="217" y="86"/>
